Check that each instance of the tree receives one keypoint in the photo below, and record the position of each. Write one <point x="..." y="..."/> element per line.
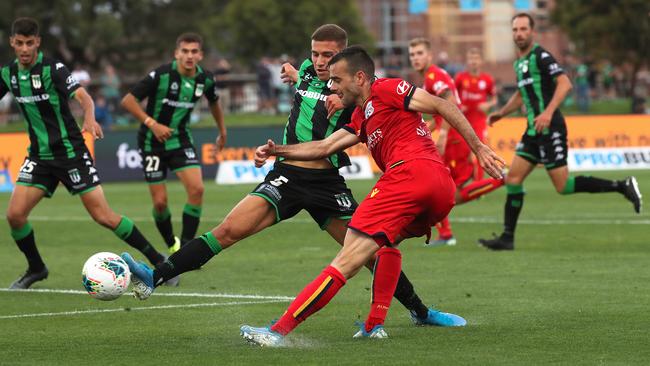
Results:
<point x="255" y="28"/>
<point x="605" y="29"/>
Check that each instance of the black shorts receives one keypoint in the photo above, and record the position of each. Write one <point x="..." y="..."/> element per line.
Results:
<point x="322" y="192"/>
<point x="156" y="164"/>
<point x="549" y="149"/>
<point x="78" y="175"/>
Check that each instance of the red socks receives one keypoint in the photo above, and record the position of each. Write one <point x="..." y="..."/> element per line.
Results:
<point x="444" y="228"/>
<point x="385" y="276"/>
<point x="475" y="190"/>
<point x="313" y="298"/>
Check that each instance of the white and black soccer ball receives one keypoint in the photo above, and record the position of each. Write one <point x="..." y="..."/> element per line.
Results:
<point x="105" y="276"/>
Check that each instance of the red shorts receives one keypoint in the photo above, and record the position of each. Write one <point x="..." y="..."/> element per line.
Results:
<point x="406" y="201"/>
<point x="458" y="157"/>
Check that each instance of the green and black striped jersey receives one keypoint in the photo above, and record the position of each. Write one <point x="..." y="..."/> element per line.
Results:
<point x="308" y="119"/>
<point x="536" y="73"/>
<point x="42" y="93"/>
<point x="171" y="98"/>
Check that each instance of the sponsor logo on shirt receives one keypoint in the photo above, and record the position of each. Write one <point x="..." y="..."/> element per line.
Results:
<point x="523" y="82"/>
<point x="374" y="138"/>
<point x="199" y="90"/>
<point x="312" y="95"/>
<point x="403" y="87"/>
<point x="374" y="192"/>
<point x="177" y="104"/>
<point x="33" y="98"/>
<point x="71" y="81"/>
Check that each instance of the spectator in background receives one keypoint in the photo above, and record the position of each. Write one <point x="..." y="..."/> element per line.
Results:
<point x="81" y="75"/>
<point x="221" y="72"/>
<point x="582" y="87"/>
<point x="110" y="89"/>
<point x="264" y="87"/>
<point x="607" y="78"/>
<point x="102" y="112"/>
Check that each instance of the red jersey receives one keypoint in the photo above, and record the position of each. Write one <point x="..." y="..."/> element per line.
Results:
<point x="473" y="91"/>
<point x="436" y="81"/>
<point x="391" y="131"/>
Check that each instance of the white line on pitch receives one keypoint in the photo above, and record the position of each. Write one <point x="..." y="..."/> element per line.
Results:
<point x="165" y="294"/>
<point x="465" y="219"/>
<point x="137" y="308"/>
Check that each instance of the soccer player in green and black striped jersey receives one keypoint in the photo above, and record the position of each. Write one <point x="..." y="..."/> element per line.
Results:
<point x="57" y="153"/>
<point x="291" y="186"/>
<point x="165" y="142"/>
<point x="542" y="86"/>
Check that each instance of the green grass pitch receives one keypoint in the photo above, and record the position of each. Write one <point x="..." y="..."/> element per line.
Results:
<point x="575" y="290"/>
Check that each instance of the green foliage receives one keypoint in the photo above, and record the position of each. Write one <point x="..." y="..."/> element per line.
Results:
<point x="267" y="27"/>
<point x="604" y="29"/>
<point x="137" y="34"/>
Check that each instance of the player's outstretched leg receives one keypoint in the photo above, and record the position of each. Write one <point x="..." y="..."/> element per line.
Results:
<point x="628" y="187"/>
<point x="141" y="277"/>
<point x="440" y="319"/>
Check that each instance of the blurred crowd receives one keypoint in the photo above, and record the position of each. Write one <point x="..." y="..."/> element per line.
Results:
<point x="259" y="89"/>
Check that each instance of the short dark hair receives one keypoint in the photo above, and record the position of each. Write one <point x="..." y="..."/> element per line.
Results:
<point x="189" y="37"/>
<point x="531" y="21"/>
<point x="358" y="60"/>
<point x="331" y="32"/>
<point x="25" y="27"/>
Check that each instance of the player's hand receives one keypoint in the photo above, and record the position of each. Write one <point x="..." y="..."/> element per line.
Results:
<point x="493" y="118"/>
<point x="95" y="129"/>
<point x="161" y="132"/>
<point x="484" y="106"/>
<point x="220" y="141"/>
<point x="333" y="103"/>
<point x="490" y="162"/>
<point x="543" y="121"/>
<point x="289" y="74"/>
<point x="263" y="152"/>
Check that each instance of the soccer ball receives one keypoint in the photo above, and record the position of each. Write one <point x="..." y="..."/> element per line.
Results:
<point x="105" y="276"/>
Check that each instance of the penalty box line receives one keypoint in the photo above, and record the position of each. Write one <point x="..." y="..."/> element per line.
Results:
<point x="161" y="294"/>
<point x="137" y="308"/>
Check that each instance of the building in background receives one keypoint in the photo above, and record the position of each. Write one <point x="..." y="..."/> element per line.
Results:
<point x="454" y="26"/>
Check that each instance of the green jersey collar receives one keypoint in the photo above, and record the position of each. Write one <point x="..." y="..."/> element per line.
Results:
<point x="198" y="70"/>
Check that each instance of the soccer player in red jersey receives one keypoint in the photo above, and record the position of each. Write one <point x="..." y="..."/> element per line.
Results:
<point x="477" y="96"/>
<point x="415" y="191"/>
<point x="457" y="154"/>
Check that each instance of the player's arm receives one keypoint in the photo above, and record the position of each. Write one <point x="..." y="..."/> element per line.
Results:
<point x="514" y="103"/>
<point x="88" y="106"/>
<point x="313" y="150"/>
<point x="423" y="102"/>
<point x="562" y="87"/>
<point x="132" y="105"/>
<point x="217" y="114"/>
<point x="289" y="74"/>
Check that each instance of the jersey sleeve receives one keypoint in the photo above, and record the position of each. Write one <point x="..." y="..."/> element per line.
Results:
<point x="355" y="122"/>
<point x="63" y="80"/>
<point x="548" y="65"/>
<point x="4" y="88"/>
<point x="145" y="86"/>
<point x="436" y="83"/>
<point x="396" y="93"/>
<point x="211" y="93"/>
<point x="302" y="71"/>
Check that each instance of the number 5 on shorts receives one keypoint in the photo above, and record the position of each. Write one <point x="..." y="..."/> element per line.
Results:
<point x="279" y="181"/>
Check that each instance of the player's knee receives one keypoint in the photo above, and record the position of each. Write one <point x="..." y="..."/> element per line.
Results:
<point x="160" y="205"/>
<point x="195" y="191"/>
<point x="16" y="219"/>
<point x="559" y="188"/>
<point x="513" y="179"/>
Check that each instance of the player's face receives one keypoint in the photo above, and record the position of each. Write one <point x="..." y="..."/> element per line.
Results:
<point x="344" y="84"/>
<point x="474" y="62"/>
<point x="522" y="33"/>
<point x="321" y="53"/>
<point x="188" y="55"/>
<point x="26" y="48"/>
<point x="420" y="57"/>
